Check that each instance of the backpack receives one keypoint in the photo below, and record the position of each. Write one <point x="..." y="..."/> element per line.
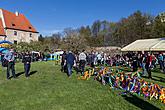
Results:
<point x="5" y="62"/>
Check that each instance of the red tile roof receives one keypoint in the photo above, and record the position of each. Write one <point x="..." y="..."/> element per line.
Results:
<point x="19" y="22"/>
<point x="2" y="32"/>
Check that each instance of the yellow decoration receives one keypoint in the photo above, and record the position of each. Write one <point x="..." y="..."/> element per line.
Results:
<point x="85" y="77"/>
<point x="5" y="45"/>
<point x="162" y="96"/>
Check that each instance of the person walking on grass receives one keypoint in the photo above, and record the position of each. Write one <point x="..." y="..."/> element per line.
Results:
<point x="9" y="57"/>
<point x="82" y="59"/>
<point x="99" y="57"/>
<point x="148" y="65"/>
<point x="92" y="59"/>
<point x="135" y="62"/>
<point x="27" y="63"/>
<point x="143" y="63"/>
<point x="161" y="61"/>
<point x="70" y="60"/>
<point x="63" y="61"/>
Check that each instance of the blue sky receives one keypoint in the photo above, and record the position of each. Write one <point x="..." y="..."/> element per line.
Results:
<point x="49" y="16"/>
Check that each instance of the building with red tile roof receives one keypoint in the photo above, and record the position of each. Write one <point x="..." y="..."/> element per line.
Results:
<point x="15" y="27"/>
<point x="2" y="32"/>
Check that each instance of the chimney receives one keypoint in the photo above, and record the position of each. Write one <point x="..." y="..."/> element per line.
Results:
<point x="16" y="13"/>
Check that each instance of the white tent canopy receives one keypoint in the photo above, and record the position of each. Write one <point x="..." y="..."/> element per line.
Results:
<point x="159" y="46"/>
<point x="146" y="45"/>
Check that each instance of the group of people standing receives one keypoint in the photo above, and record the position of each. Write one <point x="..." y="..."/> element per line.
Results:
<point x="146" y="61"/>
<point x="8" y="61"/>
<point x="69" y="60"/>
<point x="79" y="60"/>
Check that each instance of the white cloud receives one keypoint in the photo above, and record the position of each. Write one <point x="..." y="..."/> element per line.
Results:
<point x="50" y="32"/>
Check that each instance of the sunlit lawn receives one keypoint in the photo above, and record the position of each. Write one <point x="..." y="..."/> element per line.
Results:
<point x="49" y="89"/>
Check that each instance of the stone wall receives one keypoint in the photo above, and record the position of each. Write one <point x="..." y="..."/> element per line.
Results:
<point x="21" y="36"/>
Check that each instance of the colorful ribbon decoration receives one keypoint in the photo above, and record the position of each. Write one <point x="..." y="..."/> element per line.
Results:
<point x="130" y="82"/>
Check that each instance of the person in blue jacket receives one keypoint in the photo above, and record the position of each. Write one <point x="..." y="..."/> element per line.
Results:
<point x="9" y="56"/>
<point x="70" y="60"/>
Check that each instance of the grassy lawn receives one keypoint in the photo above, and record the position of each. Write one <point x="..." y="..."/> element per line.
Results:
<point x="49" y="89"/>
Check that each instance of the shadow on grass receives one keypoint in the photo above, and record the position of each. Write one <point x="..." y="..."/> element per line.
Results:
<point x="157" y="70"/>
<point x="160" y="79"/>
<point x="139" y="102"/>
<point x="33" y="72"/>
<point x="145" y="77"/>
<point x="19" y="74"/>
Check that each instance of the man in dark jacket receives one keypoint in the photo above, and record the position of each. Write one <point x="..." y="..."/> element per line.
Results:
<point x="70" y="60"/>
<point x="148" y="65"/>
<point x="92" y="59"/>
<point x="135" y="62"/>
<point x="27" y="63"/>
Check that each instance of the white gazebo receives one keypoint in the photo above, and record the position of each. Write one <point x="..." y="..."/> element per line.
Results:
<point x="146" y="45"/>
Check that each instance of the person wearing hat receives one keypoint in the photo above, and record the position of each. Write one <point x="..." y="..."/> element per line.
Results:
<point x="70" y="60"/>
<point x="9" y="57"/>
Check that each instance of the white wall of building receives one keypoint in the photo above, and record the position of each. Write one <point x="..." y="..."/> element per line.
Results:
<point x="2" y="17"/>
<point x="22" y="36"/>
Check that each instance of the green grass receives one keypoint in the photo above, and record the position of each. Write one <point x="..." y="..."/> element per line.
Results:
<point x="49" y="89"/>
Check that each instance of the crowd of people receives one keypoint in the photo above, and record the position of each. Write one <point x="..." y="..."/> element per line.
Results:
<point x="109" y="70"/>
<point x="144" y="60"/>
<point x="79" y="60"/>
<point x="105" y="68"/>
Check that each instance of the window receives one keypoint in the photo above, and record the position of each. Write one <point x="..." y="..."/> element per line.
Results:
<point x="164" y="20"/>
<point x="30" y="27"/>
<point x="15" y="33"/>
<point x="5" y="37"/>
<point x="30" y="34"/>
<point x="13" y="24"/>
<point x="15" y="42"/>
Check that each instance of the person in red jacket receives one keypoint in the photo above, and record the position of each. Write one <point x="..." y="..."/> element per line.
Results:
<point x="148" y="65"/>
